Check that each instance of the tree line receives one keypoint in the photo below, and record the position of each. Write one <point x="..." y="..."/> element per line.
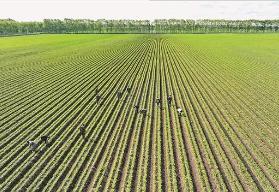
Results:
<point x="9" y="26"/>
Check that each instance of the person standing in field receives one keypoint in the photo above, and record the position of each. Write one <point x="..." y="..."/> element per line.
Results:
<point x="82" y="130"/>
<point x="169" y="99"/>
<point x="136" y="108"/>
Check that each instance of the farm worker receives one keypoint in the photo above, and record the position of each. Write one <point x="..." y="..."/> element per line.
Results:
<point x="119" y="94"/>
<point x="44" y="139"/>
<point x="96" y="90"/>
<point x="143" y="111"/>
<point x="82" y="130"/>
<point x="169" y="99"/>
<point x="98" y="98"/>
<point x="136" y="108"/>
<point x="128" y="89"/>
<point x="158" y="101"/>
<point x="32" y="145"/>
<point x="179" y="110"/>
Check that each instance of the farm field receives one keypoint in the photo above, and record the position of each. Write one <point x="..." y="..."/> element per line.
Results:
<point x="227" y="138"/>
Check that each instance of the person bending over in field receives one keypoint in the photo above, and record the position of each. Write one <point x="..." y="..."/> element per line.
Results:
<point x="82" y="130"/>
<point x="98" y="98"/>
<point x="179" y="110"/>
<point x="32" y="145"/>
<point x="169" y="99"/>
<point x="129" y="89"/>
<point x="118" y="94"/>
<point x="158" y="101"/>
<point x="96" y="90"/>
<point x="143" y="111"/>
<point x="136" y="108"/>
<point x="44" y="139"/>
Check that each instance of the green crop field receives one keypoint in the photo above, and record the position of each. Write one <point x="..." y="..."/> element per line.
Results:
<point x="226" y="139"/>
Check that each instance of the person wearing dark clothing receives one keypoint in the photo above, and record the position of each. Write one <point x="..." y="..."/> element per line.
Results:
<point x="96" y="90"/>
<point x="82" y="130"/>
<point x="44" y="139"/>
<point x="158" y="101"/>
<point x="169" y="99"/>
<point x="98" y="98"/>
<point x="119" y="94"/>
<point x="143" y="111"/>
<point x="129" y="89"/>
<point x="136" y="108"/>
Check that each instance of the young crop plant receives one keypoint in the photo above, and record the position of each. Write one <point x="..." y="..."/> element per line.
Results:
<point x="109" y="105"/>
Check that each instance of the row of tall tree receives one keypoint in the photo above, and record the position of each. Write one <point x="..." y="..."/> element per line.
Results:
<point x="9" y="26"/>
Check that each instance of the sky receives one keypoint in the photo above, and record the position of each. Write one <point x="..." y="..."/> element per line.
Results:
<point x="37" y="10"/>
